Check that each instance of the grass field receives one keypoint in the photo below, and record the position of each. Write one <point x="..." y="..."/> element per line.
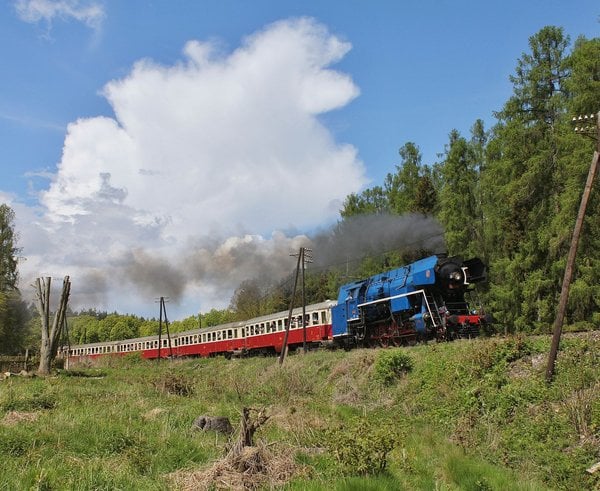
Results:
<point x="468" y="415"/>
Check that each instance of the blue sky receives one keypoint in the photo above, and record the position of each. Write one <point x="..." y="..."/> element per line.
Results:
<point x="135" y="131"/>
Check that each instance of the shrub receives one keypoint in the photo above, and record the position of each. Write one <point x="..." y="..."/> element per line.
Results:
<point x="497" y="353"/>
<point x="361" y="447"/>
<point x="390" y="366"/>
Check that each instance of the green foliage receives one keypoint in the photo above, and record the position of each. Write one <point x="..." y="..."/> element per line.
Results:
<point x="15" y="329"/>
<point x="361" y="445"/>
<point x="472" y="414"/>
<point x="186" y="324"/>
<point x="8" y="251"/>
<point x="215" y="317"/>
<point x="370" y="201"/>
<point x="583" y="84"/>
<point x="410" y="189"/>
<point x="249" y="300"/>
<point x="500" y="351"/>
<point x="460" y="193"/>
<point x="13" y="311"/>
<point x="390" y="365"/>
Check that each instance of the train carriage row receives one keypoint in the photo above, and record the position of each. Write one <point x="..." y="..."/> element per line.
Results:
<point x="263" y="334"/>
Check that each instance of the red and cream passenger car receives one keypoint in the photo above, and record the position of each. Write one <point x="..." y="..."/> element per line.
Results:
<point x="261" y="335"/>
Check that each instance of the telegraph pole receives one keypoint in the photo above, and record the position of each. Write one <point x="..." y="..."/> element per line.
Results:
<point x="304" y="256"/>
<point x="587" y="125"/>
<point x="163" y="308"/>
<point x="305" y="259"/>
<point x="289" y="319"/>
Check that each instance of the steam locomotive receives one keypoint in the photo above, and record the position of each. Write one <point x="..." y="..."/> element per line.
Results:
<point x="423" y="300"/>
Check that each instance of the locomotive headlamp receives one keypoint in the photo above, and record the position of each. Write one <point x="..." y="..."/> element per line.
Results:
<point x="455" y="276"/>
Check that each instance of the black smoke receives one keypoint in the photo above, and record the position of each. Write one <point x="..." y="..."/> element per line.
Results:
<point x="222" y="264"/>
<point x="225" y="263"/>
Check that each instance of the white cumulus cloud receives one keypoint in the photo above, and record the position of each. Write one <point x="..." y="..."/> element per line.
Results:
<point x="215" y="145"/>
<point x="91" y="13"/>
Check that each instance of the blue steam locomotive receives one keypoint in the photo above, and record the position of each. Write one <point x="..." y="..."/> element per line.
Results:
<point x="423" y="300"/>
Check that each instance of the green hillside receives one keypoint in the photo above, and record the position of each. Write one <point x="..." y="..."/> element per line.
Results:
<point x="473" y="415"/>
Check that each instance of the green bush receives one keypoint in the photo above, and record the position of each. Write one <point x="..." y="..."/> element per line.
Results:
<point x="497" y="353"/>
<point x="390" y="366"/>
<point x="361" y="446"/>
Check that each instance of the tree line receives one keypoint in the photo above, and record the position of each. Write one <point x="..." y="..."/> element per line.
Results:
<point x="508" y="194"/>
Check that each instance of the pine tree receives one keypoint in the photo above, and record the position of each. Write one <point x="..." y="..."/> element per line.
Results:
<point x="8" y="250"/>
<point x="13" y="312"/>
<point x="526" y="170"/>
<point x="401" y="187"/>
<point x="460" y="201"/>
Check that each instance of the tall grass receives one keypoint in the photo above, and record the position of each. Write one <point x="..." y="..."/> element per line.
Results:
<point x="472" y="415"/>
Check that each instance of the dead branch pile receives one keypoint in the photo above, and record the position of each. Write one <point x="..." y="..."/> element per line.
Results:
<point x="245" y="466"/>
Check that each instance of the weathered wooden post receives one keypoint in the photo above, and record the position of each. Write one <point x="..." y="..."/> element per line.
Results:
<point x="566" y="284"/>
<point x="50" y="334"/>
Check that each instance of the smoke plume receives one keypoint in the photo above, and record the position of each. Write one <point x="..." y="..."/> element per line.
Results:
<point x="224" y="264"/>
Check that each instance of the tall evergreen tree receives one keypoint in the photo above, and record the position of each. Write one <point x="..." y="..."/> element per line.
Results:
<point x="8" y="250"/>
<point x="370" y="201"/>
<point x="527" y="164"/>
<point x="460" y="208"/>
<point x="401" y="187"/>
<point x="583" y="84"/>
<point x="583" y="89"/>
<point x="13" y="312"/>
<point x="411" y="189"/>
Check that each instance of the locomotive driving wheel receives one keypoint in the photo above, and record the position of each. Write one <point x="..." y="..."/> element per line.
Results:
<point x="384" y="341"/>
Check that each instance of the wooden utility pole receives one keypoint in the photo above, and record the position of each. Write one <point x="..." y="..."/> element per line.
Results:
<point x="304" y="348"/>
<point x="306" y="258"/>
<point x="564" y="294"/>
<point x="163" y="308"/>
<point x="50" y="334"/>
<point x="289" y="319"/>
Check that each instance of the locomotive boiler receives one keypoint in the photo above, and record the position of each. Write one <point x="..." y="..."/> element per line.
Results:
<point x="423" y="300"/>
